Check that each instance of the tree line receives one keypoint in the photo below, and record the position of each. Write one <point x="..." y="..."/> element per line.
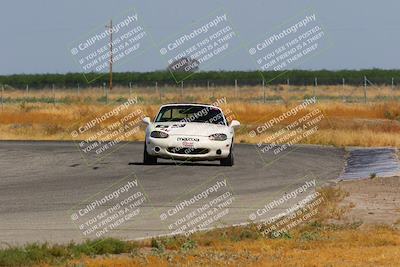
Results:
<point x="211" y="78"/>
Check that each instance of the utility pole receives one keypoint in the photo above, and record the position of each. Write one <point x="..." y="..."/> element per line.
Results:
<point x="54" y="94"/>
<point x="365" y="89"/>
<point x="111" y="52"/>
<point x="315" y="85"/>
<point x="263" y="86"/>
<point x="182" y="90"/>
<point x="343" y="84"/>
<point x="236" y="89"/>
<point x="2" y="101"/>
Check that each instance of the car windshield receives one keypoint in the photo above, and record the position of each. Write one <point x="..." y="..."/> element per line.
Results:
<point x="205" y="114"/>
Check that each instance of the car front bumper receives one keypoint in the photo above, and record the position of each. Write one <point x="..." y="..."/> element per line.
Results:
<point x="201" y="149"/>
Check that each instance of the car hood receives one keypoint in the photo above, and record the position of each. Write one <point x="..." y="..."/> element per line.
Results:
<point x="190" y="128"/>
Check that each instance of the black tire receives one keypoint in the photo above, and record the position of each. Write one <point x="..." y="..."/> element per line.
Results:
<point x="148" y="159"/>
<point x="229" y="161"/>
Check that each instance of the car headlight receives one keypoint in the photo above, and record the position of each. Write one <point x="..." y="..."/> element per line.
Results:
<point x="158" y="134"/>
<point x="218" y="137"/>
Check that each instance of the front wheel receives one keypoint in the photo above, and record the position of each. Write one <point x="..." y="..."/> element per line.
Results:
<point x="229" y="161"/>
<point x="147" y="158"/>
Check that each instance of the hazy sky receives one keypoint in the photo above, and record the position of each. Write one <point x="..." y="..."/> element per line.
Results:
<point x="36" y="34"/>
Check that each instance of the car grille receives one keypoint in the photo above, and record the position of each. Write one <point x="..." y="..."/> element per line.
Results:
<point x="188" y="150"/>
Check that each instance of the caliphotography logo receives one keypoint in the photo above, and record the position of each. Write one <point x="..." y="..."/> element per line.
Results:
<point x="199" y="133"/>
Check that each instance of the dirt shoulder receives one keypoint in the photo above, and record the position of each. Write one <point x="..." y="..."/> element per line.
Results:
<point x="372" y="201"/>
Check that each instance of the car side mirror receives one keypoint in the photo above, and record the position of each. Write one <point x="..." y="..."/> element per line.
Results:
<point x="146" y="120"/>
<point x="234" y="124"/>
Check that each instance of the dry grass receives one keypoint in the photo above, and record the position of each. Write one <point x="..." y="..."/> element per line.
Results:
<point x="374" y="247"/>
<point x="373" y="124"/>
<point x="315" y="243"/>
<point x="203" y="94"/>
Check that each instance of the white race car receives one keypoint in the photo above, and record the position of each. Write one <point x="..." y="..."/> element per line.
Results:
<point x="189" y="132"/>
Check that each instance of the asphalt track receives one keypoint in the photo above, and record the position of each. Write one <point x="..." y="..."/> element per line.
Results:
<point x="43" y="183"/>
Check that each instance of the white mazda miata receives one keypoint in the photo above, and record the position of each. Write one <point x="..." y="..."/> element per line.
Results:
<point x="189" y="132"/>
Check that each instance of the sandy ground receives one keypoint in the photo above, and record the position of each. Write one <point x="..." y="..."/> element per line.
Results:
<point x="373" y="201"/>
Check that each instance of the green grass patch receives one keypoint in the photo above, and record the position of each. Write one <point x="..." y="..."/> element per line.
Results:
<point x="58" y="254"/>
